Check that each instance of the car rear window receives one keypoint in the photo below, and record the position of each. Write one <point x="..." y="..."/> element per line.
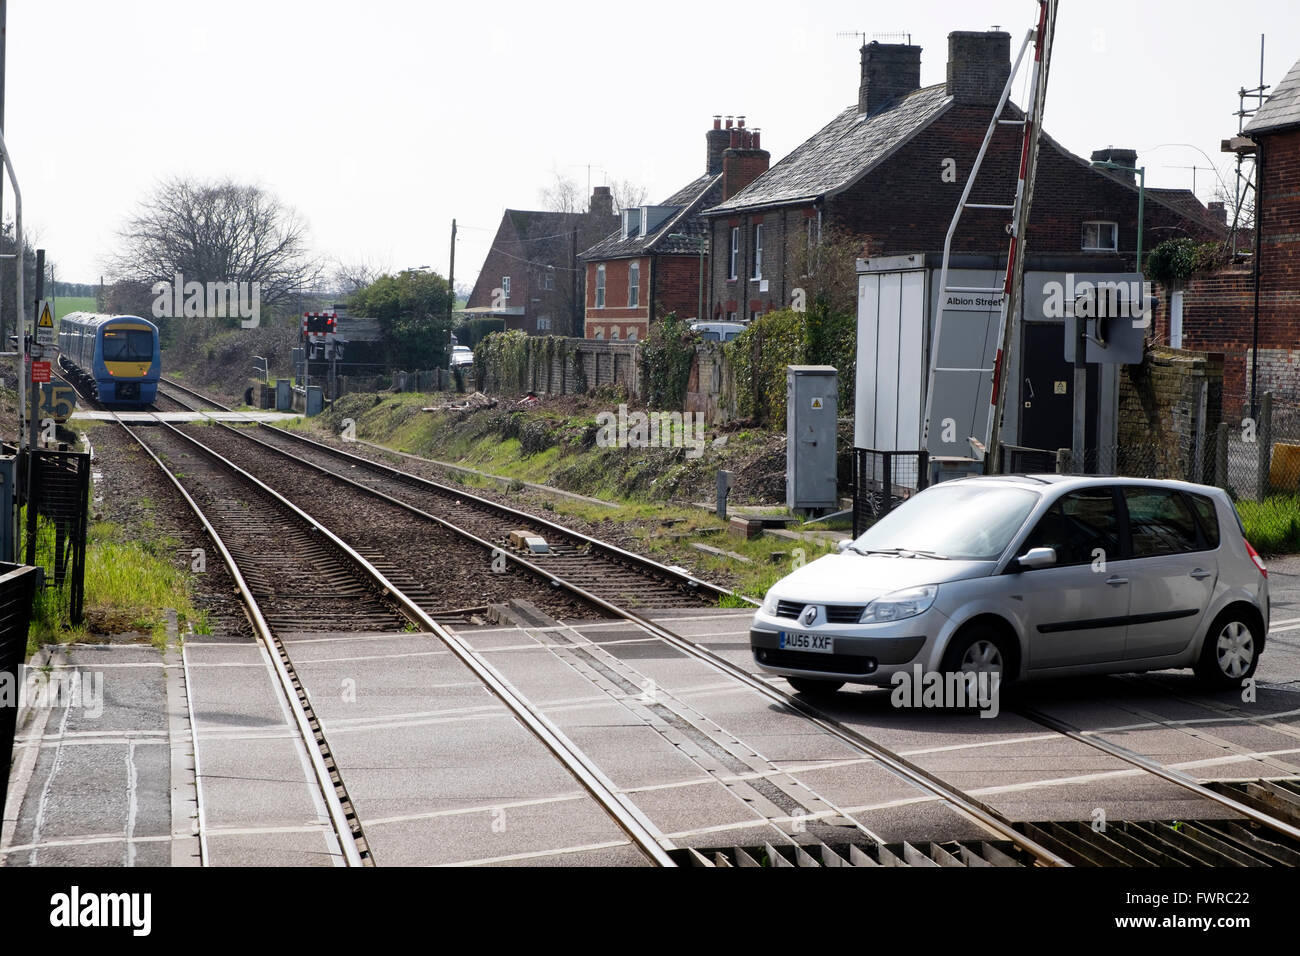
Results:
<point x="1209" y="516"/>
<point x="1160" y="522"/>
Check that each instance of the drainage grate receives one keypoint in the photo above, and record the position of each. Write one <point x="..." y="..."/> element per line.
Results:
<point x="975" y="853"/>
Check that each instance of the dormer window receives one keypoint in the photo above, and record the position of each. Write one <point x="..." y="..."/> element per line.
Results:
<point x="645" y="219"/>
<point x="632" y="223"/>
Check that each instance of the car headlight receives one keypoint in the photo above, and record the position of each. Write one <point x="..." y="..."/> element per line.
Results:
<point x="899" y="605"/>
<point x="769" y="602"/>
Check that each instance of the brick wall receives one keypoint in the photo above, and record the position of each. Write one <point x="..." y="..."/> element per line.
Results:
<point x="1160" y="413"/>
<point x="1219" y="308"/>
<point x="617" y="316"/>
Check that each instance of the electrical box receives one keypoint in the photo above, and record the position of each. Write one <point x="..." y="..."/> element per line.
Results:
<point x="811" y="420"/>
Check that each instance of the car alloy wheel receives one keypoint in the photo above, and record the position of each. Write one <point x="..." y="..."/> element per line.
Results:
<point x="1234" y="649"/>
<point x="982" y="656"/>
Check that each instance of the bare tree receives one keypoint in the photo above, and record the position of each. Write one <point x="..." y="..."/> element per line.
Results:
<point x="219" y="231"/>
<point x="563" y="195"/>
<point x="627" y="194"/>
<point x="350" y="277"/>
<point x="823" y="263"/>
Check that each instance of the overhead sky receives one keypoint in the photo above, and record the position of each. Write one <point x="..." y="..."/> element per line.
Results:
<point x="380" y="121"/>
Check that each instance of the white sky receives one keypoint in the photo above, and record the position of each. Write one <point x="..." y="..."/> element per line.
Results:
<point x="380" y="120"/>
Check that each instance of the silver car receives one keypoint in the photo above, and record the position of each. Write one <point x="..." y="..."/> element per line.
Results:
<point x="1027" y="577"/>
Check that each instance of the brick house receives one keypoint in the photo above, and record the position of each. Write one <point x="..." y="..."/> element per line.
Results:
<point x="531" y="276"/>
<point x="1219" y="308"/>
<point x="889" y="170"/>
<point x="655" y="263"/>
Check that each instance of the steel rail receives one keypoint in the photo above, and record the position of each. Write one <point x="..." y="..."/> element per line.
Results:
<point x="343" y="829"/>
<point x="973" y="809"/>
<point x="630" y="819"/>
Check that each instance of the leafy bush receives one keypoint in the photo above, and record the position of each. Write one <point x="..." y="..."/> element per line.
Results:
<point x="1174" y="261"/>
<point x="501" y="362"/>
<point x="758" y="358"/>
<point x="666" y="356"/>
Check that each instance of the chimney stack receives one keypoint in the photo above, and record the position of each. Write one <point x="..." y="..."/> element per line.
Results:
<point x="978" y="66"/>
<point x="743" y="161"/>
<point x="602" y="202"/>
<point x="1125" y="157"/>
<point x="889" y="71"/>
<point x="717" y="140"/>
<point x="1219" y="211"/>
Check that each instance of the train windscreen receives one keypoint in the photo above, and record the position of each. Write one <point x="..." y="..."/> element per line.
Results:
<point x="128" y="345"/>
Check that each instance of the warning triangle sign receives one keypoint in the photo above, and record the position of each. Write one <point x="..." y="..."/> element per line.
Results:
<point x="47" y="320"/>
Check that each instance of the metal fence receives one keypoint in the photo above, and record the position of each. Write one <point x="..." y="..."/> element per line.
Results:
<point x="882" y="480"/>
<point x="59" y="544"/>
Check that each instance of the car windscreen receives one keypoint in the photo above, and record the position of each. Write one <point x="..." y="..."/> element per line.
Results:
<point x="128" y="345"/>
<point x="960" y="521"/>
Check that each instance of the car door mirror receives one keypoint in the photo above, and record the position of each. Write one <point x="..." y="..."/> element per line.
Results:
<point x="842" y="545"/>
<point x="1036" y="558"/>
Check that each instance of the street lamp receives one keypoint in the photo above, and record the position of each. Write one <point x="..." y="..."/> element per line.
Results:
<point x="699" y="308"/>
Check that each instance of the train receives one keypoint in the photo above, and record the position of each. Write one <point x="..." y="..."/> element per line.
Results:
<point x="114" y="357"/>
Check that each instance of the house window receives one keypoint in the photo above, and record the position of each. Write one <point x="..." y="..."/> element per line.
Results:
<point x="600" y="286"/>
<point x="814" y="227"/>
<point x="731" y="316"/>
<point x="757" y="315"/>
<point x="1100" y="236"/>
<point x="735" y="250"/>
<point x="631" y="333"/>
<point x="758" y="251"/>
<point x="613" y="333"/>
<point x="543" y="323"/>
<point x="634" y="285"/>
<point x="548" y="280"/>
<point x="505" y="287"/>
<point x="598" y="332"/>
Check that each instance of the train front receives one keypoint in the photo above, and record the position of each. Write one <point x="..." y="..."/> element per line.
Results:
<point x="127" y="361"/>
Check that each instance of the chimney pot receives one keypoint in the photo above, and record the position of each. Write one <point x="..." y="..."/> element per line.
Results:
<point x="740" y="121"/>
<point x="729" y="122"/>
<point x="735" y="137"/>
<point x="756" y="145"/>
<point x="717" y="122"/>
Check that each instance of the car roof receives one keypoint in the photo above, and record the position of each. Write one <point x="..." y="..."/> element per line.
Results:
<point x="1040" y="482"/>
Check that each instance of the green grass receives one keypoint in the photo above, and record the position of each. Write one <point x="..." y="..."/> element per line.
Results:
<point x="128" y="584"/>
<point x="65" y="304"/>
<point x="1272" y="525"/>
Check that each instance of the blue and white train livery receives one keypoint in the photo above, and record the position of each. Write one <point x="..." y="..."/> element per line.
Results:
<point x="115" y="356"/>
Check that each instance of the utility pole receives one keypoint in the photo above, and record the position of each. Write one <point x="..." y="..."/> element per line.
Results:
<point x="451" y="273"/>
<point x="32" y="426"/>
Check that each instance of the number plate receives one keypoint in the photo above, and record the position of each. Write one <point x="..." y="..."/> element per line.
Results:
<point x="816" y="643"/>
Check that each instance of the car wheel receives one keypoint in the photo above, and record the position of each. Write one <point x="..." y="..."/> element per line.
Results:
<point x="1230" y="653"/>
<point x="976" y="650"/>
<point x="811" y="687"/>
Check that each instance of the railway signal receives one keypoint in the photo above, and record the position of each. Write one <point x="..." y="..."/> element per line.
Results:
<point x="319" y="323"/>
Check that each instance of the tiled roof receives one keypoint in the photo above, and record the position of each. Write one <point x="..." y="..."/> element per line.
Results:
<point x="842" y="151"/>
<point x="692" y="199"/>
<point x="1282" y="108"/>
<point x="1185" y="202"/>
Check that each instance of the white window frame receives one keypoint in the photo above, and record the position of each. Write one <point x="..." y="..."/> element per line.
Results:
<point x="505" y="287"/>
<point x="631" y="333"/>
<point x="758" y="252"/>
<point x="634" y="288"/>
<point x="548" y="280"/>
<point x="543" y="323"/>
<point x="613" y="333"/>
<point x="600" y="286"/>
<point x="1100" y="248"/>
<point x="735" y="251"/>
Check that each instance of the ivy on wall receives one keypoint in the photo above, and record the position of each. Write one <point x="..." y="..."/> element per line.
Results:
<point x="666" y="356"/>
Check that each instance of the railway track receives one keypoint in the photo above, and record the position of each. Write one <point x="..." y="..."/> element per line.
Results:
<point x="1044" y="846"/>
<point x="345" y="591"/>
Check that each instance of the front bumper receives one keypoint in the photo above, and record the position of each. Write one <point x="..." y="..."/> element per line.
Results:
<point x="864" y="654"/>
